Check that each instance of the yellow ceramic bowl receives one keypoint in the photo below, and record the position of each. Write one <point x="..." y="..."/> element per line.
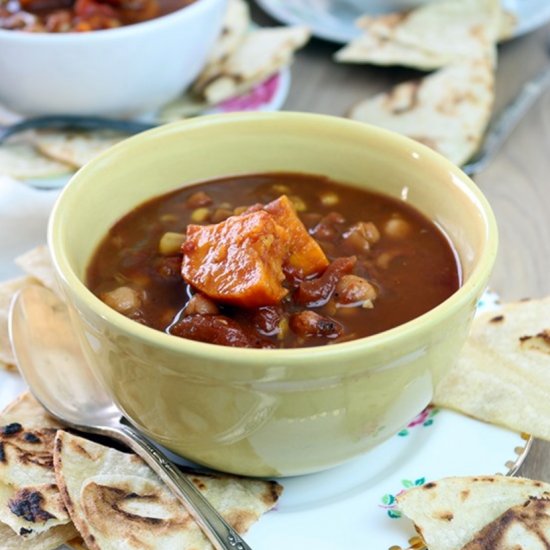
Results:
<point x="270" y="412"/>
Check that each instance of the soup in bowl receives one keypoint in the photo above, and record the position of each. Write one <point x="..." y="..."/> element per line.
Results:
<point x="271" y="294"/>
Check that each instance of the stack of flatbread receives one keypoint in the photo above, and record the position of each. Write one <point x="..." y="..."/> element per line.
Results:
<point x="57" y="488"/>
<point x="480" y="513"/>
<point x="449" y="109"/>
<point x="242" y="59"/>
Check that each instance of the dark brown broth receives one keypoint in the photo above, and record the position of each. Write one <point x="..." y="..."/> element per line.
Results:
<point x="423" y="273"/>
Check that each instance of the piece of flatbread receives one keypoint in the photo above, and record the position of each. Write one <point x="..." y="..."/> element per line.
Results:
<point x="185" y="106"/>
<point x="235" y="26"/>
<point x="23" y="161"/>
<point x="26" y="455"/>
<point x="51" y="540"/>
<point x="8" y="289"/>
<point x="378" y="50"/>
<point x="30" y="503"/>
<point x="522" y="527"/>
<point x="26" y="410"/>
<point x="507" y="26"/>
<point x="447" y="110"/>
<point x="262" y="53"/>
<point x="503" y="372"/>
<point x="445" y="31"/>
<point x="38" y="264"/>
<point x="449" y="512"/>
<point x="116" y="501"/>
<point x="32" y="510"/>
<point x="75" y="148"/>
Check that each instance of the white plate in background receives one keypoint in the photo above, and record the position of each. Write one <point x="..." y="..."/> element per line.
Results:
<point x="334" y="20"/>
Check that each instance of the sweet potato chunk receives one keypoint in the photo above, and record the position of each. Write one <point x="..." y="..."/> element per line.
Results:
<point x="238" y="261"/>
<point x="305" y="256"/>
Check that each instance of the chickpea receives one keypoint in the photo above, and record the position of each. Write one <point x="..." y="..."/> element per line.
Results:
<point x="386" y="258"/>
<point x="361" y="236"/>
<point x="221" y="214"/>
<point x="199" y="304"/>
<point x="397" y="228"/>
<point x="308" y="323"/>
<point x="123" y="299"/>
<point x="198" y="199"/>
<point x="352" y="290"/>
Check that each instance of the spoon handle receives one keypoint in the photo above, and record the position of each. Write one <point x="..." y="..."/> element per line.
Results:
<point x="217" y="530"/>
<point x="505" y="122"/>
<point x="64" y="122"/>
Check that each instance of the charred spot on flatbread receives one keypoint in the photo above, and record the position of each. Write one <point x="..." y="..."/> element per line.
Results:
<point x="26" y="448"/>
<point x="27" y="503"/>
<point x="450" y="513"/>
<point x="11" y="429"/>
<point x="538" y="342"/>
<point x="522" y="527"/>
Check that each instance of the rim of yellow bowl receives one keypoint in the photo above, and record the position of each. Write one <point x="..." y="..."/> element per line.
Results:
<point x="250" y="356"/>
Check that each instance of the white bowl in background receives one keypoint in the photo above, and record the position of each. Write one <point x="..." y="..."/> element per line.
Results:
<point x="116" y="72"/>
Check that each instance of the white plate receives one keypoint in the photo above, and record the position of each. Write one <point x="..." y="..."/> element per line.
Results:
<point x="269" y="95"/>
<point x="351" y="506"/>
<point x="334" y="20"/>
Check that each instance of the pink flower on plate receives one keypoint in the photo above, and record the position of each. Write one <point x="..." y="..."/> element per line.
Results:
<point x="425" y="418"/>
<point x="262" y="94"/>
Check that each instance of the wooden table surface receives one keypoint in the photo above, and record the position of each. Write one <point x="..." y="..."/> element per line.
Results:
<point x="517" y="183"/>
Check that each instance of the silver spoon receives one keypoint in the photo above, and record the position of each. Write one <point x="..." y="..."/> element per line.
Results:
<point x="72" y="122"/>
<point x="51" y="361"/>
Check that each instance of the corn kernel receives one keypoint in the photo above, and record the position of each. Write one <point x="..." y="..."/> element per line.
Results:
<point x="240" y="210"/>
<point x="200" y="214"/>
<point x="280" y="188"/>
<point x="298" y="203"/>
<point x="329" y="198"/>
<point x="170" y="243"/>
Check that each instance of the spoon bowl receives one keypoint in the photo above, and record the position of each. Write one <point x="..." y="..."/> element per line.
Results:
<point x="44" y="342"/>
<point x="50" y="359"/>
